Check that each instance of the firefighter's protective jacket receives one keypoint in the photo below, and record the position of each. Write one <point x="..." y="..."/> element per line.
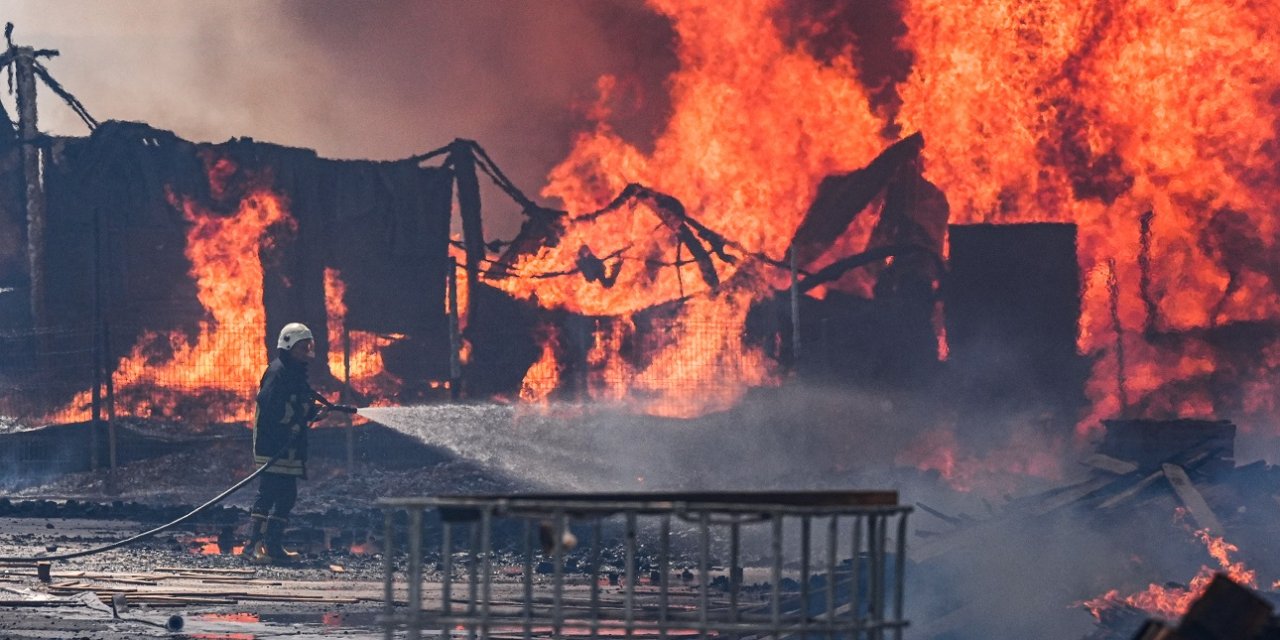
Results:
<point x="285" y="406"/>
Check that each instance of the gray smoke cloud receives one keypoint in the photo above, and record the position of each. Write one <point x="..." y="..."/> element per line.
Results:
<point x="378" y="80"/>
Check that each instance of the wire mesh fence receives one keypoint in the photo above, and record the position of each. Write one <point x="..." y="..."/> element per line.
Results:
<point x="202" y="374"/>
<point x="44" y="372"/>
<point x="206" y="373"/>
<point x="672" y="365"/>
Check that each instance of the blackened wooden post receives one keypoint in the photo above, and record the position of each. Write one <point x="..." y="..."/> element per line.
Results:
<point x="463" y="161"/>
<point x="795" y="311"/>
<point x="24" y="63"/>
<point x="1113" y="290"/>
<point x="455" y="337"/>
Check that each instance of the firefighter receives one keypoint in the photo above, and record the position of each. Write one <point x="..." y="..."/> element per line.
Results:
<point x="285" y="407"/>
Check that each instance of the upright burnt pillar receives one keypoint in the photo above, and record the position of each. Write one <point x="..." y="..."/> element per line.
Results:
<point x="463" y="161"/>
<point x="24" y="63"/>
<point x="1012" y="299"/>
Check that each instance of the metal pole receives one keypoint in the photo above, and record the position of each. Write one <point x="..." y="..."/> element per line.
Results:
<point x="446" y="573"/>
<point x="96" y="403"/>
<point x="415" y="573"/>
<point x="526" y="608"/>
<point x="388" y="574"/>
<point x="102" y="353"/>
<point x="346" y="393"/>
<point x="486" y="594"/>
<point x="104" y="366"/>
<point x="795" y="311"/>
<point x="96" y="358"/>
<point x="704" y="574"/>
<point x="109" y="368"/>
<point x="664" y="577"/>
<point x="455" y="337"/>
<point x="899" y="574"/>
<point x="629" y="594"/>
<point x="557" y="573"/>
<point x="775" y="604"/>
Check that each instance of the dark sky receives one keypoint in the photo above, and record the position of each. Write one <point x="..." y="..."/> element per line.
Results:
<point x="351" y="79"/>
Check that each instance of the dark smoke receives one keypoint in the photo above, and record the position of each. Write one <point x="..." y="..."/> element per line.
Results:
<point x="378" y="80"/>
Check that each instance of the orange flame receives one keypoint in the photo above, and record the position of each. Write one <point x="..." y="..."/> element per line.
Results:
<point x="1033" y="110"/>
<point x="996" y="471"/>
<point x="361" y="357"/>
<point x="224" y="360"/>
<point x="1093" y="113"/>
<point x="753" y="130"/>
<point x="542" y="378"/>
<point x="208" y="546"/>
<point x="1172" y="602"/>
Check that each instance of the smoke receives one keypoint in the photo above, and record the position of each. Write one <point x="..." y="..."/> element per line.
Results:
<point x="350" y="79"/>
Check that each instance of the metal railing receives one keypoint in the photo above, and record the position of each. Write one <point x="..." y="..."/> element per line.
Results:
<point x="794" y="565"/>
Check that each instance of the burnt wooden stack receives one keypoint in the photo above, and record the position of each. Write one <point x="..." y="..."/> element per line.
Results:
<point x="1148" y="443"/>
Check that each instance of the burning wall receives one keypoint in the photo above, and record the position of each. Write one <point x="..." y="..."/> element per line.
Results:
<point x="203" y="251"/>
<point x="1035" y="111"/>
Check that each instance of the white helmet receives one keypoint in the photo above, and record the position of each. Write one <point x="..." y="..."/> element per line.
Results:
<point x="292" y="334"/>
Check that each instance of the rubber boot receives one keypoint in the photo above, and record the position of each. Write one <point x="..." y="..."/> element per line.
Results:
<point x="257" y="529"/>
<point x="275" y="542"/>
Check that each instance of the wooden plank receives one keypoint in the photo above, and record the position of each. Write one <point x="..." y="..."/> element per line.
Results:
<point x="1191" y="498"/>
<point x="206" y="570"/>
<point x="1074" y="494"/>
<point x="1127" y="494"/>
<point x="966" y="537"/>
<point x="939" y="515"/>
<point x="1132" y="491"/>
<point x="1104" y="462"/>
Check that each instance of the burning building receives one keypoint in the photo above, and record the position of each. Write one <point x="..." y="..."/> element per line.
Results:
<point x="1013" y="210"/>
<point x="790" y="216"/>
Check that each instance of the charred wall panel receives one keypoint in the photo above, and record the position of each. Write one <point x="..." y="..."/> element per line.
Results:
<point x="108" y="208"/>
<point x="383" y="225"/>
<point x="14" y="296"/>
<point x="389" y="240"/>
<point x="1012" y="300"/>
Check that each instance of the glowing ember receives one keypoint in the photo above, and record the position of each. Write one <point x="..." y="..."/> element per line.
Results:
<point x="208" y="546"/>
<point x="242" y="616"/>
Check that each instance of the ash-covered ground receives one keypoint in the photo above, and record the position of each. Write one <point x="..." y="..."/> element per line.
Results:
<point x="994" y="562"/>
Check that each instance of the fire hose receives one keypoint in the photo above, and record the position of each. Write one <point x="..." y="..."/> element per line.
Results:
<point x="325" y="407"/>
